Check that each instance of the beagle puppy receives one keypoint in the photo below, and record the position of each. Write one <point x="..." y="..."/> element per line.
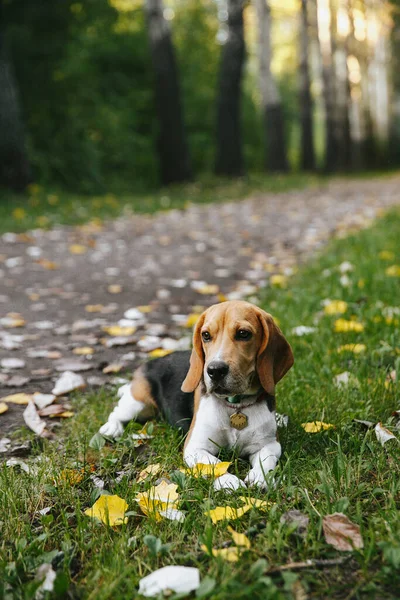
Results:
<point x="222" y="394"/>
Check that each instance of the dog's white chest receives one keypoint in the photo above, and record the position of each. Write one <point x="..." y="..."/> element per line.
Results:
<point x="213" y="422"/>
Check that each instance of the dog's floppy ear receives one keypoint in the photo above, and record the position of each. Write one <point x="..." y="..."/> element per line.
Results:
<point x="275" y="356"/>
<point x="195" y="372"/>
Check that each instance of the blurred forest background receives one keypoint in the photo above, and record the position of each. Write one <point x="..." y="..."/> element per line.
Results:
<point x="100" y="95"/>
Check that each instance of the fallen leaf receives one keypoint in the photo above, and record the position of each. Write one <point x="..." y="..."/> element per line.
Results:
<point x="12" y="363"/>
<point x="46" y="574"/>
<point x="341" y="533"/>
<point x="66" y="414"/>
<point x="355" y="348"/>
<point x="383" y="435"/>
<point x="386" y="255"/>
<point x="71" y="476"/>
<point x="110" y="510"/>
<point x="172" y="514"/>
<point x="150" y="470"/>
<point x="3" y="407"/>
<point x="113" y="368"/>
<point x="208" y="470"/>
<point x="145" y="309"/>
<point x="159" y="352"/>
<point x="68" y="382"/>
<point x="53" y="409"/>
<point x="47" y="264"/>
<point x="346" y="379"/>
<point x="117" y="330"/>
<point x="316" y="426"/>
<point x="393" y="271"/>
<point x="17" y="462"/>
<point x="207" y="289"/>
<point x="73" y="364"/>
<point x="227" y="513"/>
<point x="158" y="498"/>
<point x="335" y="307"/>
<point x="181" y="580"/>
<point x="83" y="351"/>
<point x="240" y="539"/>
<point x="43" y="400"/>
<point x="17" y="398"/>
<point x="231" y="554"/>
<point x="343" y="326"/>
<point x="92" y="308"/>
<point x="114" y="288"/>
<point x="32" y="419"/>
<point x="77" y="249"/>
<point x="256" y="502"/>
<point x="13" y="320"/>
<point x="192" y="320"/>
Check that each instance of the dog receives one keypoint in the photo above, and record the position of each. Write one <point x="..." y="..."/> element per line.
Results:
<point x="221" y="394"/>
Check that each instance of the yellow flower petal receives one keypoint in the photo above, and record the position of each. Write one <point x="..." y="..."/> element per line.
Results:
<point x="316" y="426"/>
<point x="335" y="307"/>
<point x="227" y="513"/>
<point x="148" y="471"/>
<point x="159" y="352"/>
<point x="355" y="348"/>
<point x="3" y="407"/>
<point x="17" y="398"/>
<point x="393" y="271"/>
<point x="110" y="510"/>
<point x="240" y="539"/>
<point x="341" y="325"/>
<point x="208" y="470"/>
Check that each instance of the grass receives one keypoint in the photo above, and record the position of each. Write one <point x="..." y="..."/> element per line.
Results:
<point x="344" y="469"/>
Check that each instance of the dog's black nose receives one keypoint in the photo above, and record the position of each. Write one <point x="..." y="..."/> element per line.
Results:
<point x="217" y="370"/>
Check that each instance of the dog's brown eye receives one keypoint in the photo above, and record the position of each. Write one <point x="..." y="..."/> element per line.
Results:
<point x="206" y="336"/>
<point x="243" y="335"/>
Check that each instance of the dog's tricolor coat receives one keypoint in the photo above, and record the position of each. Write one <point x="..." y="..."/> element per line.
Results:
<point x="222" y="394"/>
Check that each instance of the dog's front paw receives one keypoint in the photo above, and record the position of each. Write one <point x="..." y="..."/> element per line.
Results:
<point x="228" y="482"/>
<point x="112" y="429"/>
<point x="256" y="477"/>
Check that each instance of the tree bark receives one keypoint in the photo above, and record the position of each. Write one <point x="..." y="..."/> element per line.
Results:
<point x="305" y="98"/>
<point x="343" y="103"/>
<point x="14" y="165"/>
<point x="274" y="127"/>
<point x="229" y="159"/>
<point x="172" y="144"/>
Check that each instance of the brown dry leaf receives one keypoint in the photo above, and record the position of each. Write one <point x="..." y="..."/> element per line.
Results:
<point x="53" y="409"/>
<point x="341" y="533"/>
<point x="3" y="407"/>
<point x="83" y="351"/>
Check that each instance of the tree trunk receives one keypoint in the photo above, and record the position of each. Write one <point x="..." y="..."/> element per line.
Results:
<point x="14" y="166"/>
<point x="305" y="98"/>
<point x="343" y="99"/>
<point x="172" y="144"/>
<point x="275" y="143"/>
<point x="229" y="160"/>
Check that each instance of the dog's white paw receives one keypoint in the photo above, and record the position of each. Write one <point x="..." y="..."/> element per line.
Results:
<point x="228" y="482"/>
<point x="255" y="477"/>
<point x="112" y="429"/>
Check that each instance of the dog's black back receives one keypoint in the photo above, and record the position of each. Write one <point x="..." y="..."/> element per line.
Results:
<point x="165" y="376"/>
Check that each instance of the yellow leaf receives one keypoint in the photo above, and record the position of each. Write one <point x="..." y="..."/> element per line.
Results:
<point x="341" y="325"/>
<point x="386" y="255"/>
<point x="256" y="502"/>
<point x="17" y="398"/>
<point x="47" y="264"/>
<point x="3" y="407"/>
<point x="113" y="368"/>
<point x="145" y="309"/>
<point x="110" y="510"/>
<point x="335" y="307"/>
<point x="67" y="414"/>
<point x="208" y="470"/>
<point x="208" y="289"/>
<point x="316" y="426"/>
<point x="77" y="249"/>
<point x="160" y="497"/>
<point x="227" y="513"/>
<point x="13" y="320"/>
<point x="83" y="351"/>
<point x="159" y="352"/>
<point x="230" y="554"/>
<point x="150" y="470"/>
<point x="19" y="214"/>
<point x="114" y="288"/>
<point x="355" y="348"/>
<point x="222" y="297"/>
<point x="240" y="539"/>
<point x="117" y="330"/>
<point x="192" y="320"/>
<point x="278" y="280"/>
<point x="393" y="271"/>
<point x="91" y="308"/>
<point x="71" y="476"/>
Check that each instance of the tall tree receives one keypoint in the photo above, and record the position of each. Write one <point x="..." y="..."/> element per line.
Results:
<point x="172" y="143"/>
<point x="306" y="101"/>
<point x="276" y="158"/>
<point x="343" y="91"/>
<point x="14" y="165"/>
<point x="229" y="159"/>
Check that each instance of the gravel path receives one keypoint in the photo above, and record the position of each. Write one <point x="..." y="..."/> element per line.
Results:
<point x="60" y="288"/>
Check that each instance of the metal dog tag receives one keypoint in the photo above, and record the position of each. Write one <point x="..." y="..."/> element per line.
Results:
<point x="238" y="420"/>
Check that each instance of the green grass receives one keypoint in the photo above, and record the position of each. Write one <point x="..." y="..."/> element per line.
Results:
<point x="344" y="469"/>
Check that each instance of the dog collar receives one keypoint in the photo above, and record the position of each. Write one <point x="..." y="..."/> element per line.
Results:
<point x="262" y="395"/>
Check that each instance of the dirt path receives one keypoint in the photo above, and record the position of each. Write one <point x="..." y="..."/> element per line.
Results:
<point x="63" y="286"/>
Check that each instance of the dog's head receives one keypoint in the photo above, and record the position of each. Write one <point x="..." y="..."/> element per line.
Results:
<point x="237" y="348"/>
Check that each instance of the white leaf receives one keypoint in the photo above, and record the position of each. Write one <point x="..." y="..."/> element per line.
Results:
<point x="173" y="514"/>
<point x="181" y="580"/>
<point x="68" y="382"/>
<point x="383" y="434"/>
<point x="32" y="419"/>
<point x="12" y="363"/>
<point x="42" y="400"/>
<point x="17" y="462"/>
<point x="47" y="575"/>
<point x="301" y="330"/>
